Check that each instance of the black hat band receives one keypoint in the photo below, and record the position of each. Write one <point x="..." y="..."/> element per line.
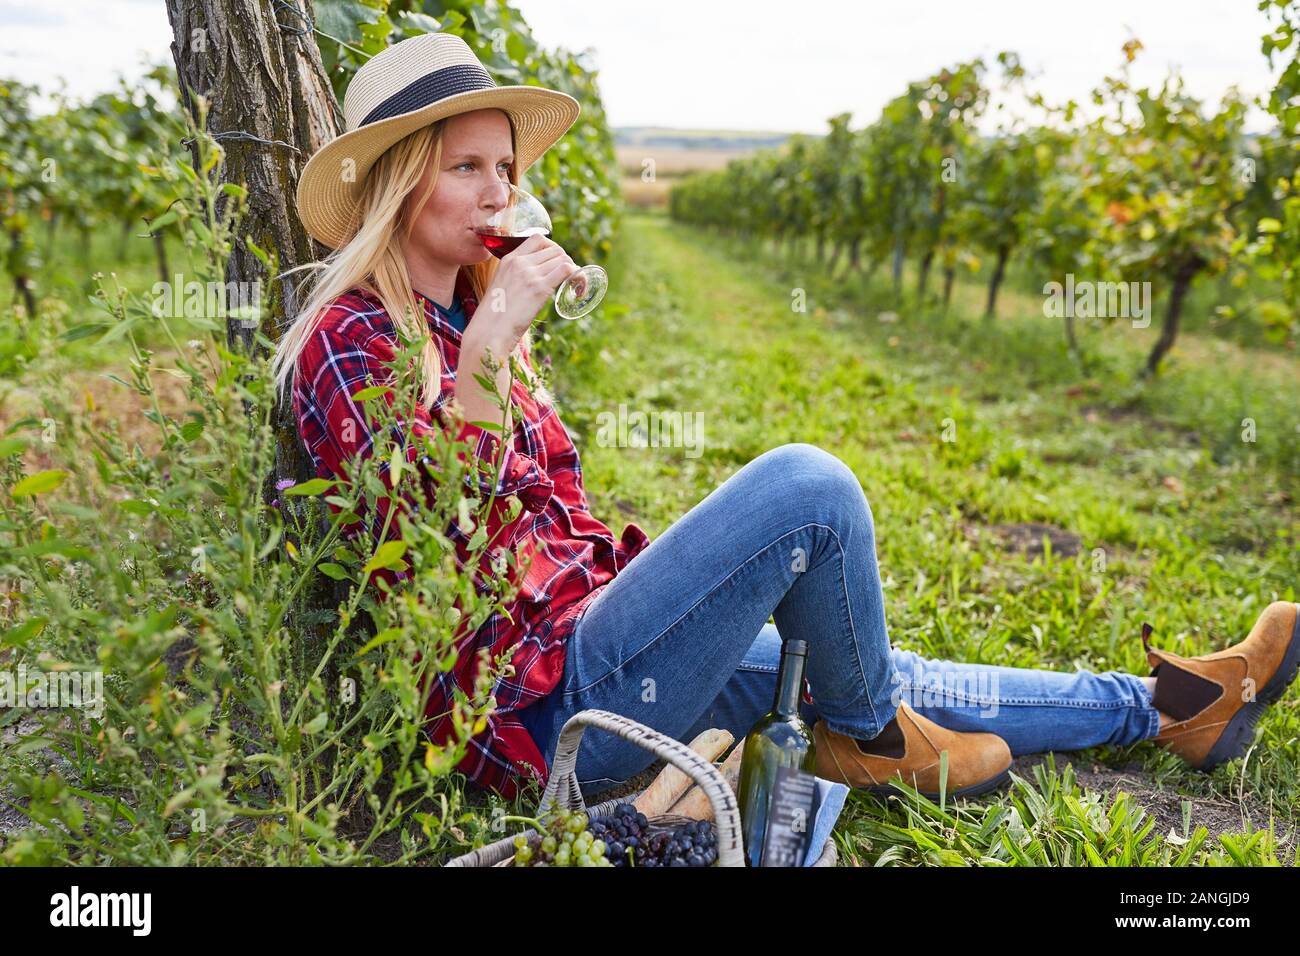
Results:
<point x="430" y="88"/>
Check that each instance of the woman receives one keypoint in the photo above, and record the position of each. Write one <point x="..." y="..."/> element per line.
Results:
<point x="674" y="634"/>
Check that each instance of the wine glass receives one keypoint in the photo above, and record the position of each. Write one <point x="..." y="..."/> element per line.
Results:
<point x="524" y="216"/>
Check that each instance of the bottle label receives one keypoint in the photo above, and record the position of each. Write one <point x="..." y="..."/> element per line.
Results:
<point x="790" y="815"/>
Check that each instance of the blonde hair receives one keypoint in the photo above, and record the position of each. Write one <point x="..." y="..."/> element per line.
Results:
<point x="372" y="259"/>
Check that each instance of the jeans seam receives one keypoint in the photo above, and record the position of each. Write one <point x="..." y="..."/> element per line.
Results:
<point x="853" y="631"/>
<point x="1031" y="701"/>
<point x="689" y="611"/>
<point x="1145" y="702"/>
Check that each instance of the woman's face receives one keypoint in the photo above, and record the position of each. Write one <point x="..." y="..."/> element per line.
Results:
<point x="471" y="185"/>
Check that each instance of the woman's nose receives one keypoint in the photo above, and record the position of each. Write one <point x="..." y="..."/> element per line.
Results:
<point x="497" y="195"/>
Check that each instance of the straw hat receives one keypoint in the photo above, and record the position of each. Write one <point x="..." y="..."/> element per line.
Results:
<point x="413" y="84"/>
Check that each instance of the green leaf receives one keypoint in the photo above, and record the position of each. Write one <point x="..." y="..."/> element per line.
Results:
<point x="418" y="22"/>
<point x="262" y="255"/>
<point x="85" y="330"/>
<point x="166" y="219"/>
<point x="24" y="632"/>
<point x="397" y="463"/>
<point x="337" y="572"/>
<point x="373" y="391"/>
<point x="186" y="169"/>
<point x="54" y="546"/>
<point x="39" y="483"/>
<point x="312" y="487"/>
<point x="316" y="724"/>
<point x="383" y="637"/>
<point x="342" y="19"/>
<point x="389" y="553"/>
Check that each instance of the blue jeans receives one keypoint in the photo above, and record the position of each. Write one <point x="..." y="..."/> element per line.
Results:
<point x="680" y="639"/>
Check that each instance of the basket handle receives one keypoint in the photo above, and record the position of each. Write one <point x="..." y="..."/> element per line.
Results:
<point x="562" y="785"/>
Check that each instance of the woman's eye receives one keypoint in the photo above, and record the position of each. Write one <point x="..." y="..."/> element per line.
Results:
<point x="463" y="165"/>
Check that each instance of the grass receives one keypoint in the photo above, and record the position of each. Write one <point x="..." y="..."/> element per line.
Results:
<point x="1156" y="509"/>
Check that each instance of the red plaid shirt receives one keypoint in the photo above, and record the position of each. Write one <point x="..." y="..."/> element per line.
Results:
<point x="574" y="554"/>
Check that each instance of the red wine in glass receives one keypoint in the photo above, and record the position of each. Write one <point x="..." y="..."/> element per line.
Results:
<point x="503" y="245"/>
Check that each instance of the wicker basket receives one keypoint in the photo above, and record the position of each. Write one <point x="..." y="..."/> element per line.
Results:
<point x="562" y="790"/>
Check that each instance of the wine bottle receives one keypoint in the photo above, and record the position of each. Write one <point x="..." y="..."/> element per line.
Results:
<point x="779" y="739"/>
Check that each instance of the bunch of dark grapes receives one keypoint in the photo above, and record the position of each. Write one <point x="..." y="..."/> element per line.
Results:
<point x="693" y="844"/>
<point x="624" y="833"/>
<point x="629" y="842"/>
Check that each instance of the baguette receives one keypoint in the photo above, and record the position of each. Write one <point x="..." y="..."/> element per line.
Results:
<point x="696" y="804"/>
<point x="671" y="783"/>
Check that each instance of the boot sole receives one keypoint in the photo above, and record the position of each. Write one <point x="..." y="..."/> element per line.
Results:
<point x="974" y="790"/>
<point x="1236" y="737"/>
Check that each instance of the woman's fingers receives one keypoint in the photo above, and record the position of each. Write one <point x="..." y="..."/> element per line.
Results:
<point x="544" y="261"/>
<point x="560" y="270"/>
<point x="535" y="244"/>
<point x="545" y="257"/>
<point x="538" y="249"/>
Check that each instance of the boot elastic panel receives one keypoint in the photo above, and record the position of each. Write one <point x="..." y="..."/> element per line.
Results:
<point x="888" y="743"/>
<point x="1181" y="693"/>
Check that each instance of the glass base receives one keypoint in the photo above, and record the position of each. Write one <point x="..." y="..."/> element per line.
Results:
<point x="581" y="292"/>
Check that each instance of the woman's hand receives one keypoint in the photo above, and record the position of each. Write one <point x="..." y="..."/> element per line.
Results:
<point x="524" y="280"/>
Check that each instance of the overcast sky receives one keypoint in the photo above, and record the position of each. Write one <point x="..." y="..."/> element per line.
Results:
<point x="748" y="64"/>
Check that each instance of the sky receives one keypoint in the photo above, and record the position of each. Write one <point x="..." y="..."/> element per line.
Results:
<point x="749" y="64"/>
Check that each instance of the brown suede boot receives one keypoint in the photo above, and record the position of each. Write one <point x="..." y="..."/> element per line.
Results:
<point x="977" y="762"/>
<point x="1217" y="698"/>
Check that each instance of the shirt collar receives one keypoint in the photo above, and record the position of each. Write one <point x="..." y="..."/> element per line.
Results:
<point x="437" y="314"/>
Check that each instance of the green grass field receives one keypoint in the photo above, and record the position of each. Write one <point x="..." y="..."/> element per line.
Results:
<point x="1154" y="507"/>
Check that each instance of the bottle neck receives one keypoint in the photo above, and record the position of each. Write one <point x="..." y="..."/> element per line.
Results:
<point x="789" y="683"/>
